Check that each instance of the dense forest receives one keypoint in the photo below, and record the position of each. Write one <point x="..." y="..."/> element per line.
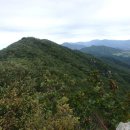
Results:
<point x="45" y="86"/>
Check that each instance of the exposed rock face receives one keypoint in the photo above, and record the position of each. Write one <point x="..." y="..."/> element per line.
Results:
<point x="123" y="126"/>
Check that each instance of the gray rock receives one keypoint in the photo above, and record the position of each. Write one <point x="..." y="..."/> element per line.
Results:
<point x="123" y="126"/>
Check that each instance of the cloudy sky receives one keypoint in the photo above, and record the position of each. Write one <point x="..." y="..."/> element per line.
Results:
<point x="64" y="20"/>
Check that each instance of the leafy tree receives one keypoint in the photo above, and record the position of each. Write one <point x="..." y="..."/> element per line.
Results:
<point x="63" y="119"/>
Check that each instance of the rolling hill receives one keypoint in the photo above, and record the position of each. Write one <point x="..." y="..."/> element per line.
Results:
<point x="47" y="86"/>
<point x="114" y="57"/>
<point x="101" y="50"/>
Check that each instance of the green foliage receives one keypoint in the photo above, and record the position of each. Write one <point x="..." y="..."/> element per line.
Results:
<point x="100" y="105"/>
<point x="119" y="64"/>
<point x="100" y="50"/>
<point x="63" y="119"/>
<point x="44" y="86"/>
<point x="19" y="111"/>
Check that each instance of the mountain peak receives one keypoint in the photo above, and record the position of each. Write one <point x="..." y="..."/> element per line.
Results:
<point x="28" y="47"/>
<point x="27" y="40"/>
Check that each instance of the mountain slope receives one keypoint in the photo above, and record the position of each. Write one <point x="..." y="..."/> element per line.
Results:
<point x="45" y="86"/>
<point x="51" y="53"/>
<point x="101" y="50"/>
<point x="53" y="56"/>
<point x="104" y="51"/>
<point x="110" y="56"/>
<point x="108" y="52"/>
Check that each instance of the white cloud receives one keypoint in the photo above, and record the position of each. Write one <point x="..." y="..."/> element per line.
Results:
<point x="66" y="20"/>
<point x="115" y="10"/>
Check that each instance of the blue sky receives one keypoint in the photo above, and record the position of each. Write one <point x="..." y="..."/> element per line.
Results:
<point x="64" y="20"/>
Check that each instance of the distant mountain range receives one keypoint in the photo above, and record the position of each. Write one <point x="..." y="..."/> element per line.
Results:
<point x="120" y="44"/>
<point x="118" y="58"/>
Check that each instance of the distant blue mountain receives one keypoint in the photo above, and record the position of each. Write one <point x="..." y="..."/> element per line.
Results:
<point x="119" y="44"/>
<point x="73" y="46"/>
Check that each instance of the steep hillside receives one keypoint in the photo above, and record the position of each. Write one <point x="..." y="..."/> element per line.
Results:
<point x="46" y="86"/>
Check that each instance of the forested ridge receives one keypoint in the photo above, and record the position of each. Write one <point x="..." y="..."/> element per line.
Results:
<point x="44" y="86"/>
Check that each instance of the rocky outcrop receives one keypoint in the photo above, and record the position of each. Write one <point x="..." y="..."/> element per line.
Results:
<point x="123" y="126"/>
